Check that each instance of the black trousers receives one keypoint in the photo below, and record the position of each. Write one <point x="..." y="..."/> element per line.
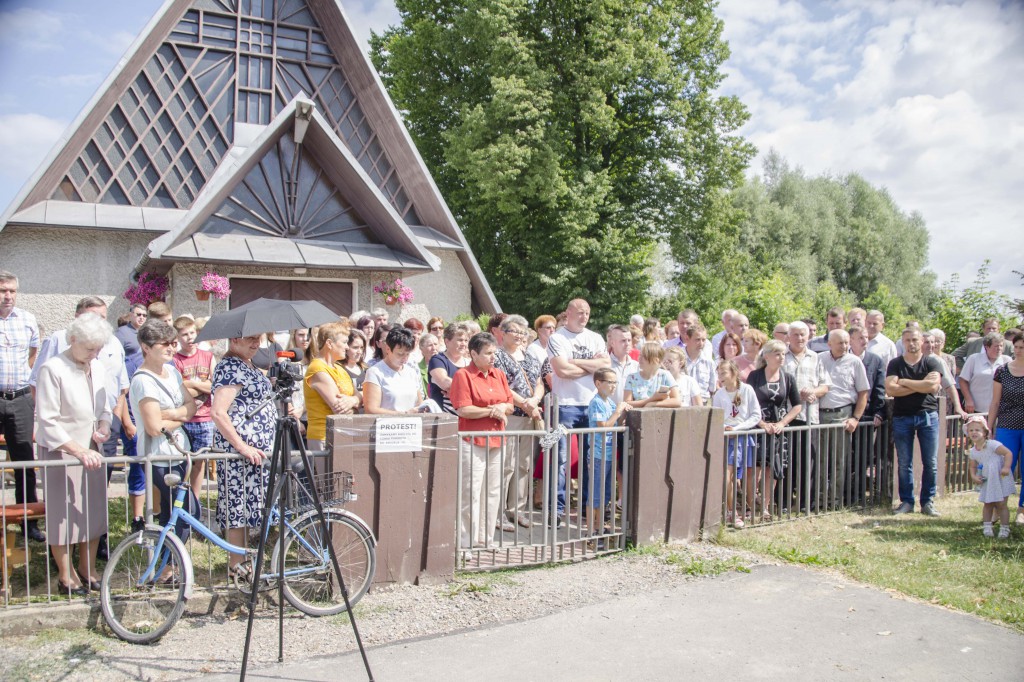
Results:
<point x="16" y="419"/>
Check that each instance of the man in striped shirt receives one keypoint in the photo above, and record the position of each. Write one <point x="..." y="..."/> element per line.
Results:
<point x="19" y="342"/>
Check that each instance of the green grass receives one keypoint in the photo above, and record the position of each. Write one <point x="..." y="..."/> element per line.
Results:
<point x="688" y="563"/>
<point x="699" y="566"/>
<point x="944" y="561"/>
<point x="479" y="583"/>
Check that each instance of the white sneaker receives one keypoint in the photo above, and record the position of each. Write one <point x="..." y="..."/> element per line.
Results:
<point x="987" y="532"/>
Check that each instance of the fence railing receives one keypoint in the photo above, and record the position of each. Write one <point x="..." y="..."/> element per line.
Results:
<point x="522" y="502"/>
<point x="508" y="496"/>
<point x="958" y="457"/>
<point x="805" y="470"/>
<point x="29" y="575"/>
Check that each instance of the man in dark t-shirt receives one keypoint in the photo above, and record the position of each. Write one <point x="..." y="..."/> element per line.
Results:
<point x="912" y="380"/>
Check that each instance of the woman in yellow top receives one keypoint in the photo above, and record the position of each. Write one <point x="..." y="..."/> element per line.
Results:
<point x="328" y="389"/>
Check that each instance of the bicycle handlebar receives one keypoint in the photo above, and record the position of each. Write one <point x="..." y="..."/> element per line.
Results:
<point x="187" y="453"/>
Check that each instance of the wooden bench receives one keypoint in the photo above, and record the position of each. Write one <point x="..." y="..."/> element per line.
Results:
<point x="12" y="554"/>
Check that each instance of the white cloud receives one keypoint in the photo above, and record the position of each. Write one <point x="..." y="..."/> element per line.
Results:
<point x="31" y="29"/>
<point x="369" y="16"/>
<point x="918" y="97"/>
<point x="76" y="80"/>
<point x="25" y="140"/>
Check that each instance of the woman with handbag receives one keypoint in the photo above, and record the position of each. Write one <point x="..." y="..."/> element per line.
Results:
<point x="523" y="373"/>
<point x="779" y="398"/>
<point x="161" y="404"/>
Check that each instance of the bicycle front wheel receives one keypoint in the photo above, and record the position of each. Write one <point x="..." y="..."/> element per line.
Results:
<point x="140" y="612"/>
<point x="310" y="583"/>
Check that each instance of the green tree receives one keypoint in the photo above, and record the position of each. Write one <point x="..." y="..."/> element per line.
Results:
<point x="569" y="138"/>
<point x="838" y="239"/>
<point x="891" y="305"/>
<point x="959" y="311"/>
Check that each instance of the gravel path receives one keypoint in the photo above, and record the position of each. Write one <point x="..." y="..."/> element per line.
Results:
<point x="200" y="644"/>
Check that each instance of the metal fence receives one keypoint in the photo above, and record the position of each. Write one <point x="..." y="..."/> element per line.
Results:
<point x="508" y="508"/>
<point x="804" y="471"/>
<point x="29" y="574"/>
<point x="958" y="456"/>
<point x="520" y="502"/>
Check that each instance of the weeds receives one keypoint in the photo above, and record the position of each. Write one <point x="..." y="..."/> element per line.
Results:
<point x="701" y="567"/>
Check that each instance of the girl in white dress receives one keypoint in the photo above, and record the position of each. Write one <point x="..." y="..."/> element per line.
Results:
<point x="990" y="468"/>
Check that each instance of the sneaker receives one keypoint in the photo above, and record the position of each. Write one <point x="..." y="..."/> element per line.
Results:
<point x="1004" y="532"/>
<point x="929" y="510"/>
<point x="138" y="524"/>
<point x="904" y="508"/>
<point x="1020" y="518"/>
<point x="987" y="532"/>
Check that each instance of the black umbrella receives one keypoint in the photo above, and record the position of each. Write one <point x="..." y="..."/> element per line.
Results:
<point x="264" y="315"/>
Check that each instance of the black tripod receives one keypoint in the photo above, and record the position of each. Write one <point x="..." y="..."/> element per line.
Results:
<point x="282" y="475"/>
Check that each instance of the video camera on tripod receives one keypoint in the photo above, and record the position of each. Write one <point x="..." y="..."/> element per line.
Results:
<point x="285" y="373"/>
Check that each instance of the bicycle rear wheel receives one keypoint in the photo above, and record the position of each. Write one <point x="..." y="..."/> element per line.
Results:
<point x="310" y="584"/>
<point x="142" y="613"/>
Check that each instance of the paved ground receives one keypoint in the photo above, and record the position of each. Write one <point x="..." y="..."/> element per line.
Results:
<point x="777" y="622"/>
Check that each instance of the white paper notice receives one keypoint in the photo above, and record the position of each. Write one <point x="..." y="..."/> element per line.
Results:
<point x="399" y="434"/>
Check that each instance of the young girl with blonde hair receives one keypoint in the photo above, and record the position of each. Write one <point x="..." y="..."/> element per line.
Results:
<point x="990" y="468"/>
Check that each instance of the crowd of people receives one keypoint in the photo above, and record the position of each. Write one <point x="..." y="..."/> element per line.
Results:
<point x="85" y="390"/>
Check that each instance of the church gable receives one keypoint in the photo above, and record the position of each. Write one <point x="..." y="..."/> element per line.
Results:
<point x="223" y="62"/>
<point x="296" y="195"/>
<point x="268" y="202"/>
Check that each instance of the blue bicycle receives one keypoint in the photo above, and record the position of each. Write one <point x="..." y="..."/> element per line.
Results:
<point x="149" y="575"/>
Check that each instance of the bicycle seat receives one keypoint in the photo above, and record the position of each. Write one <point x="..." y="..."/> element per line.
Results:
<point x="172" y="480"/>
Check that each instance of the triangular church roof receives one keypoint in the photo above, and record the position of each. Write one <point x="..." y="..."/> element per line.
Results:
<point x="206" y="76"/>
<point x="280" y="202"/>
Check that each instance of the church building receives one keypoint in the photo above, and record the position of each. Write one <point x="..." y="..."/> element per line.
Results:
<point x="252" y="138"/>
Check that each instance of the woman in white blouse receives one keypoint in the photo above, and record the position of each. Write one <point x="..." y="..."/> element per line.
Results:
<point x="392" y="386"/>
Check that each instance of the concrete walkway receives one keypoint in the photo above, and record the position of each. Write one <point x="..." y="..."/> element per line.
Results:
<point x="778" y="622"/>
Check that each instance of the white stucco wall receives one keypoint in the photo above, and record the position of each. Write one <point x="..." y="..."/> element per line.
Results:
<point x="57" y="267"/>
<point x="445" y="293"/>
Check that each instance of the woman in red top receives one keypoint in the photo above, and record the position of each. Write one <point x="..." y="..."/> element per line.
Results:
<point x="482" y="399"/>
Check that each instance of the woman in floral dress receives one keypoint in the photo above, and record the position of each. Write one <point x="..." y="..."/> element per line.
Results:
<point x="238" y="388"/>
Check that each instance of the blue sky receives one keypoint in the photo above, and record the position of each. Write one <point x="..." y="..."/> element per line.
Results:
<point x="923" y="97"/>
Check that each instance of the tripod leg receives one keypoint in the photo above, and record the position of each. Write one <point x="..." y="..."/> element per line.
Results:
<point x="268" y="505"/>
<point x="330" y="549"/>
<point x="282" y="506"/>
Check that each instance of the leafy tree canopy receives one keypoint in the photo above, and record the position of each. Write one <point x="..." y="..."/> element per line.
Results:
<point x="961" y="310"/>
<point x="569" y="138"/>
<point x="789" y="246"/>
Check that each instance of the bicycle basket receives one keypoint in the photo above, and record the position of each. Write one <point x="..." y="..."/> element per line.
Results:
<point x="334" y="488"/>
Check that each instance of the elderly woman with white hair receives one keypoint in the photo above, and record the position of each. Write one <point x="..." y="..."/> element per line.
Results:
<point x="73" y="420"/>
<point x="938" y="343"/>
